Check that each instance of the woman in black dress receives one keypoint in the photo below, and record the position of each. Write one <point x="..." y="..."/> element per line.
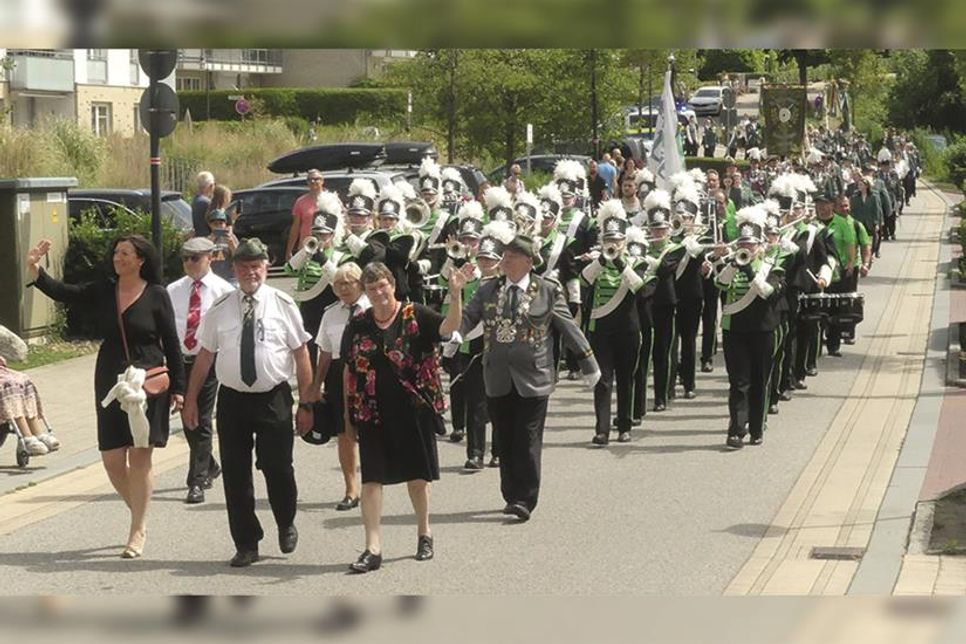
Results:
<point x="394" y="401"/>
<point x="152" y="341"/>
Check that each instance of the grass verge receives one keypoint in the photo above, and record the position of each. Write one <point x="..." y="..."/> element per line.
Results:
<point x="54" y="351"/>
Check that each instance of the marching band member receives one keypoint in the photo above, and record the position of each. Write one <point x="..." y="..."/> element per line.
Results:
<point x="315" y="264"/>
<point x="434" y="228"/>
<point x="402" y="241"/>
<point x="614" y="329"/>
<point x="468" y="412"/>
<point x="752" y="285"/>
<point x="644" y="181"/>
<point x="688" y="284"/>
<point x="662" y="257"/>
<point x="452" y="188"/>
<point x="784" y="253"/>
<point x="362" y="244"/>
<point x="839" y="236"/>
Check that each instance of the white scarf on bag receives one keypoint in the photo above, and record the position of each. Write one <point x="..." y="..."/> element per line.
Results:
<point x="129" y="393"/>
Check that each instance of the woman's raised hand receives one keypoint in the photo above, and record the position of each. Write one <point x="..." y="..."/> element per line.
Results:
<point x="37" y="253"/>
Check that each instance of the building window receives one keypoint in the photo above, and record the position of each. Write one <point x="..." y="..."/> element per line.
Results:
<point x="187" y="82"/>
<point x="96" y="54"/>
<point x="101" y="118"/>
<point x="137" y="118"/>
<point x="134" y="66"/>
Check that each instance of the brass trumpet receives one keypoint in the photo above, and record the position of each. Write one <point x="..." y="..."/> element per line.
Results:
<point x="418" y="212"/>
<point x="311" y="245"/>
<point x="742" y="256"/>
<point x="612" y="251"/>
<point x="455" y="249"/>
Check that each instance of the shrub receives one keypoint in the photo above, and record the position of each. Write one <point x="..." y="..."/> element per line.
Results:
<point x="955" y="158"/>
<point x="86" y="259"/>
<point x="80" y="148"/>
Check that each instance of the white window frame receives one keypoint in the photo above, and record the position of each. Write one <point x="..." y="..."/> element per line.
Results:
<point x="96" y="118"/>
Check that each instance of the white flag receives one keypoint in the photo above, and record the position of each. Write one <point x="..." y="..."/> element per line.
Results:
<point x="665" y="158"/>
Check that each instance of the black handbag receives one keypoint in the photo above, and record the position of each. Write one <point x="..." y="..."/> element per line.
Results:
<point x="324" y="424"/>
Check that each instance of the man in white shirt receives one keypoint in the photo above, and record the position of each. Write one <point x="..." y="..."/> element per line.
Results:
<point x="258" y="335"/>
<point x="192" y="296"/>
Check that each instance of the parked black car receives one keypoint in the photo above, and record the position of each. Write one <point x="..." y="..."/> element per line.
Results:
<point x="104" y="201"/>
<point x="266" y="213"/>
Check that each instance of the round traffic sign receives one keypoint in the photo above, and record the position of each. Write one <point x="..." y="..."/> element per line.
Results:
<point x="159" y="104"/>
<point x="242" y="106"/>
<point x="158" y="63"/>
<point x="728" y="97"/>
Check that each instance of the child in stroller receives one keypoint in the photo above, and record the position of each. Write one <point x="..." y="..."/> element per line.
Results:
<point x="22" y="414"/>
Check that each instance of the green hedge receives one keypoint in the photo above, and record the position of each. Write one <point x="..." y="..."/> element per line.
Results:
<point x="713" y="163"/>
<point x="87" y="259"/>
<point x="330" y="105"/>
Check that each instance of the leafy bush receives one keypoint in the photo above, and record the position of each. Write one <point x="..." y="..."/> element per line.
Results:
<point x="955" y="158"/>
<point x="81" y="149"/>
<point x="87" y="258"/>
<point x="714" y="163"/>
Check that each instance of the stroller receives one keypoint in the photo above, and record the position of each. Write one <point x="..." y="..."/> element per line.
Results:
<point x="10" y="428"/>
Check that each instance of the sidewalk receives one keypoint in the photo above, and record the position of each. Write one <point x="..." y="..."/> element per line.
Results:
<point x="838" y="496"/>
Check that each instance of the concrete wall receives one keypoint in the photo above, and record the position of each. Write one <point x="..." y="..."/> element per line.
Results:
<point x="123" y="101"/>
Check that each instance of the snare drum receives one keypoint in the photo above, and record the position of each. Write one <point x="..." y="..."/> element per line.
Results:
<point x="813" y="307"/>
<point x="849" y="309"/>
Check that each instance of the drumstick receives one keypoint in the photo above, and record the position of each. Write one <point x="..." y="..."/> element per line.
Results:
<point x="812" y="275"/>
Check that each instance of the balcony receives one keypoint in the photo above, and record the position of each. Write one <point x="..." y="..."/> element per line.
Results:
<point x="42" y="71"/>
<point x="254" y="61"/>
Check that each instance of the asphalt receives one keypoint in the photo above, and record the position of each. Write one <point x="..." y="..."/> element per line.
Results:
<point x="670" y="513"/>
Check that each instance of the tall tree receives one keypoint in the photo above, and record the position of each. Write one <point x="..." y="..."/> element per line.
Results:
<point x="804" y="58"/>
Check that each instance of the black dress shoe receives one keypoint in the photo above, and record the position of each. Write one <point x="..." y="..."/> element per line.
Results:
<point x="473" y="464"/>
<point x="734" y="442"/>
<point x="288" y="538"/>
<point x="660" y="407"/>
<point x="600" y="439"/>
<point x="494" y="462"/>
<point x="573" y="375"/>
<point x="520" y="511"/>
<point x="214" y="472"/>
<point x="785" y="396"/>
<point x="706" y="367"/>
<point x="835" y="354"/>
<point x="755" y="440"/>
<point x="366" y="563"/>
<point x="195" y="495"/>
<point x="637" y="422"/>
<point x="849" y="341"/>
<point x="800" y="384"/>
<point x="206" y="484"/>
<point x="773" y="408"/>
<point x="506" y="509"/>
<point x="347" y="503"/>
<point x="457" y="436"/>
<point x="244" y="558"/>
<point x="624" y="437"/>
<point x="424" y="548"/>
<point x="811" y="372"/>
<point x="689" y="394"/>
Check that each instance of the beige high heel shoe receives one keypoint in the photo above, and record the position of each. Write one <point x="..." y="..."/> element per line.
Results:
<point x="134" y="547"/>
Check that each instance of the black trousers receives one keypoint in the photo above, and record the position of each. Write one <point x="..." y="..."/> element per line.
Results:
<point x="807" y="341"/>
<point x="616" y="356"/>
<point x="661" y="352"/>
<point x="748" y="357"/>
<point x="688" y="313"/>
<point x="643" y="370"/>
<point x="833" y="330"/>
<point x="471" y="416"/>
<point x="778" y="361"/>
<point x="889" y="226"/>
<point x="312" y="311"/>
<point x="790" y="345"/>
<point x="709" y="321"/>
<point x="263" y="422"/>
<point x="201" y="463"/>
<point x="572" y="359"/>
<point x="519" y="422"/>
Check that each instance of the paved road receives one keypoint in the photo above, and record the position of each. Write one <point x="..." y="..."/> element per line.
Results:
<point x="671" y="513"/>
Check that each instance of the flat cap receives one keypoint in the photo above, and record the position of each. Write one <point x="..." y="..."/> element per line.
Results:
<point x="197" y="245"/>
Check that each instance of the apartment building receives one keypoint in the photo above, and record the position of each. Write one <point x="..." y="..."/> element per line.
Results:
<point x="100" y="88"/>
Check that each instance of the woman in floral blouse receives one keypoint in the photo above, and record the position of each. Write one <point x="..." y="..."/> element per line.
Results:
<point x="394" y="401"/>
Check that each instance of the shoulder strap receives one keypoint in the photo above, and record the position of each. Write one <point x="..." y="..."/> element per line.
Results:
<point x="120" y="322"/>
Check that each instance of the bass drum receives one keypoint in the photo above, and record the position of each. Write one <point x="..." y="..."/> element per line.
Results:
<point x="434" y="295"/>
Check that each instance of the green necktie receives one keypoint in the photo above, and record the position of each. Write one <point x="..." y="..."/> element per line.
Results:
<point x="248" y="374"/>
<point x="513" y="303"/>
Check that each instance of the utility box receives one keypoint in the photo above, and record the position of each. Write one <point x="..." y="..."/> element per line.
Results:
<point x="31" y="209"/>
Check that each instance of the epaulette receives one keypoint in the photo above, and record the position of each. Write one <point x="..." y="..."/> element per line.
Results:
<point x="285" y="297"/>
<point x="552" y="280"/>
<point x="222" y="299"/>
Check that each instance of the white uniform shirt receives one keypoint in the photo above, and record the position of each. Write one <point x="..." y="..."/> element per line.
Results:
<point x="212" y="287"/>
<point x="278" y="332"/>
<point x="334" y="321"/>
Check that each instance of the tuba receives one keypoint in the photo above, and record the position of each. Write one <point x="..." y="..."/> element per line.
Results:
<point x="418" y="212"/>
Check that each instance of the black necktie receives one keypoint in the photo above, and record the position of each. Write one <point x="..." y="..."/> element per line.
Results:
<point x="514" y="290"/>
<point x="248" y="374"/>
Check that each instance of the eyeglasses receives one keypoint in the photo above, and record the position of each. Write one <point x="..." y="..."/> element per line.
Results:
<point x="191" y="258"/>
<point x="315" y="180"/>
